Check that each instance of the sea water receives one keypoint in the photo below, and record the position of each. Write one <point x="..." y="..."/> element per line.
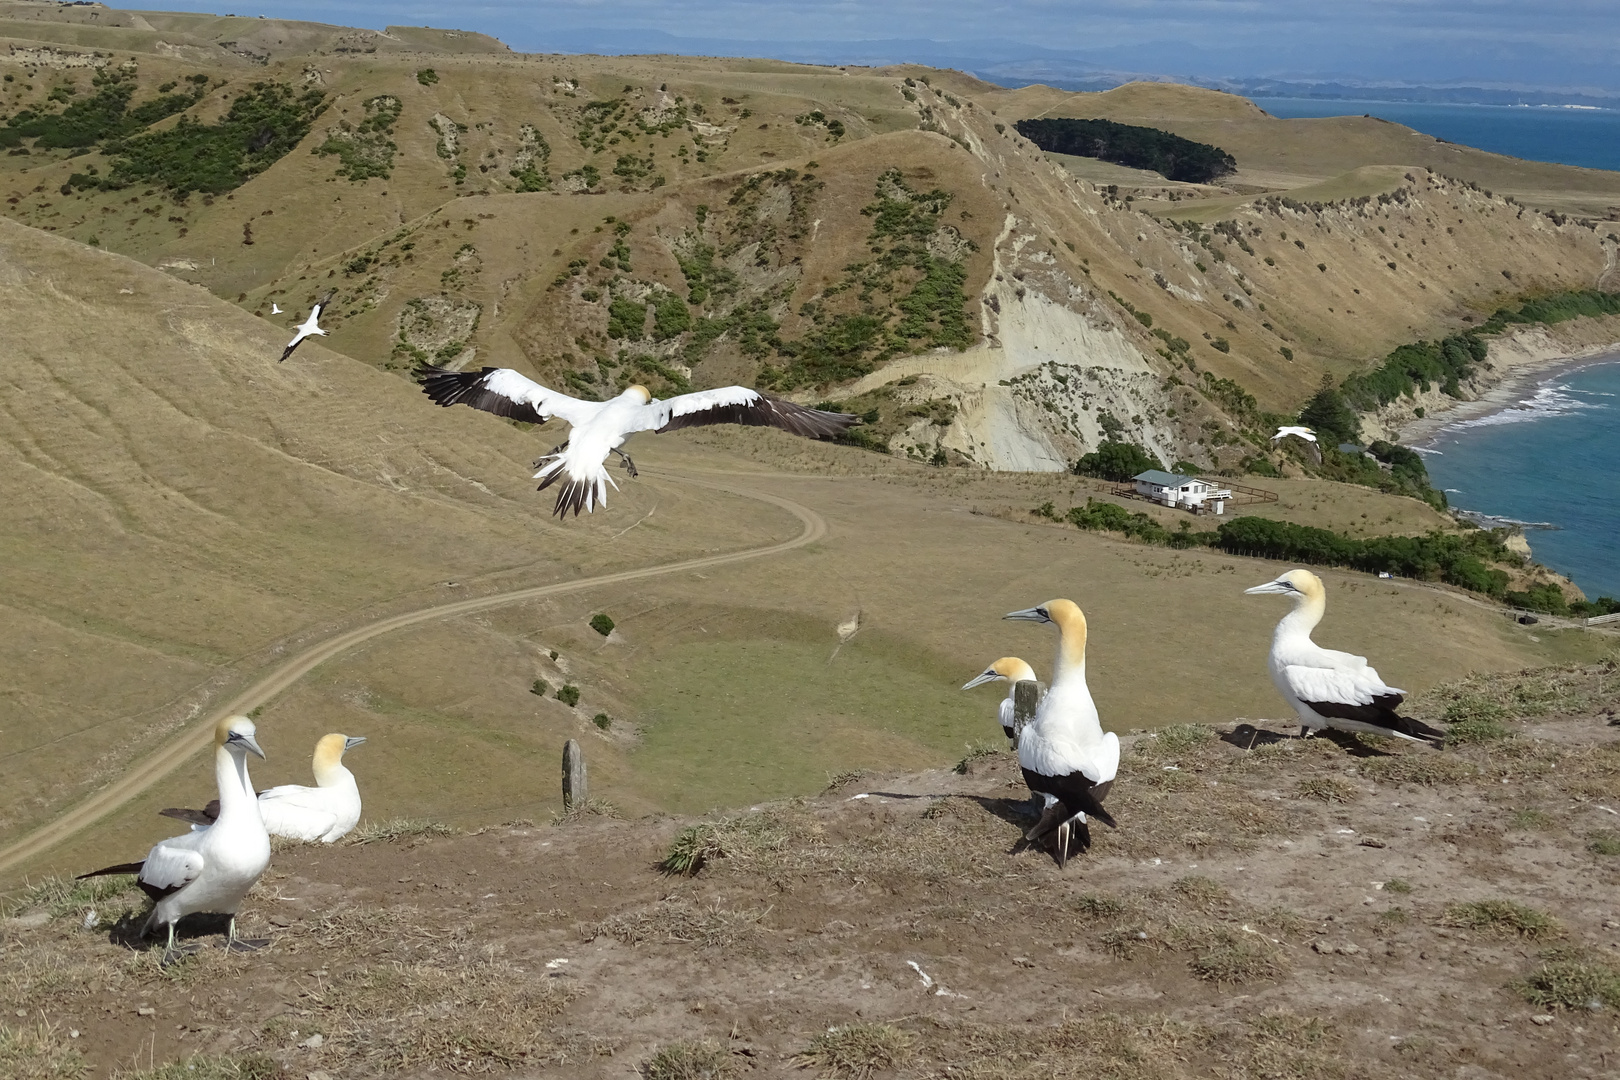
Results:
<point x="1584" y="136"/>
<point x="1553" y="459"/>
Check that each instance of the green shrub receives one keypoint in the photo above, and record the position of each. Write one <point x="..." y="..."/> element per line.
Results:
<point x="569" y="695"/>
<point x="1572" y="984"/>
<point x="539" y="687"/>
<point x="602" y="623"/>
<point x="1502" y="918"/>
<point x="602" y="720"/>
<point x="263" y="124"/>
<point x="1547" y="598"/>
<point x="1172" y="156"/>
<point x="1118" y="461"/>
<point x="626" y="319"/>
<point x="365" y="150"/>
<point x="427" y="76"/>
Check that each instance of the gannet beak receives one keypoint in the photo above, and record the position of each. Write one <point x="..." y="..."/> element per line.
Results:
<point x="1270" y="587"/>
<point x="1033" y="614"/>
<point x="352" y="741"/>
<point x="248" y="743"/>
<point x="989" y="676"/>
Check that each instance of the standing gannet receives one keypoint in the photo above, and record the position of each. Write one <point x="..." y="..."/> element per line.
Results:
<point x="1329" y="688"/>
<point x="324" y="812"/>
<point x="1014" y="671"/>
<point x="211" y="869"/>
<point x="1065" y="754"/>
<point x="310" y="327"/>
<point x="600" y="427"/>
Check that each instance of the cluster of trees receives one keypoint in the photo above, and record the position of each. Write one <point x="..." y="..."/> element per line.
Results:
<point x="1117" y="461"/>
<point x="1169" y="155"/>
<point x="106" y="114"/>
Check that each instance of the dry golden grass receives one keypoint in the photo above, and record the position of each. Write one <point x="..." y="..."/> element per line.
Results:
<point x="857" y="1051"/>
<point x="701" y="1060"/>
<point x="39" y="1052"/>
<point x="680" y="922"/>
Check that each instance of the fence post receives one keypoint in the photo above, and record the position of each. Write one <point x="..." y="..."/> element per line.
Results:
<point x="575" y="787"/>
<point x="1027" y="694"/>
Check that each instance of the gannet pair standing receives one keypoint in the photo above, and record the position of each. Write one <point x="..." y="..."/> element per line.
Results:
<point x="1065" y="755"/>
<point x="599" y="428"/>
<point x="1327" y="688"/>
<point x="209" y="869"/>
<point x="325" y="812"/>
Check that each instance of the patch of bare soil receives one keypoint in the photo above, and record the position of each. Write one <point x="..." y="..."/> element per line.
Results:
<point x="1269" y="907"/>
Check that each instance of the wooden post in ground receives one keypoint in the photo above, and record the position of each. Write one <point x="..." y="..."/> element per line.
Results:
<point x="576" y="790"/>
<point x="1027" y="694"/>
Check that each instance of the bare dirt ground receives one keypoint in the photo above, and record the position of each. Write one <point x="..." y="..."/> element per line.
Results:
<point x="1269" y="907"/>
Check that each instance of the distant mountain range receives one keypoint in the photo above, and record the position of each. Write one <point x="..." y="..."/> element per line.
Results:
<point x="1549" y="80"/>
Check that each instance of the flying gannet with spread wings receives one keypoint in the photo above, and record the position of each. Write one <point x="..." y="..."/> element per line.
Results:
<point x="600" y="427"/>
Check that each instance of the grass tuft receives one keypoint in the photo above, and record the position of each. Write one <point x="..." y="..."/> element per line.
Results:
<point x="1572" y="984"/>
<point x="856" y="1050"/>
<point x="590" y="808"/>
<point x="1501" y="918"/>
<point x="39" y="1053"/>
<point x="702" y="1060"/>
<point x="1604" y="844"/>
<point x="1396" y="885"/>
<point x="61" y="897"/>
<point x="1092" y="906"/>
<point x="696" y="845"/>
<point x="1328" y="789"/>
<point x="1234" y="961"/>
<point x="398" y="829"/>
<point x="977" y="751"/>
<point x="208" y="1067"/>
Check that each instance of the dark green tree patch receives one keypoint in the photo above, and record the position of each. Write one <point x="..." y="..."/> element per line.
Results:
<point x="366" y="149"/>
<point x="1169" y="155"/>
<point x="1117" y="461"/>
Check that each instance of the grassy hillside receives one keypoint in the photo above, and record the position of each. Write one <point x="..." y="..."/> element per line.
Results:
<point x="471" y="204"/>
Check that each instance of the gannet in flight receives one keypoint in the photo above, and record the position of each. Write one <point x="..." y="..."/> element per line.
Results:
<point x="1329" y="688"/>
<point x="599" y="428"/>
<point x="275" y="308"/>
<point x="1302" y="432"/>
<point x="211" y="869"/>
<point x="1014" y="671"/>
<point x="324" y="812"/>
<point x="309" y="327"/>
<point x="1065" y="754"/>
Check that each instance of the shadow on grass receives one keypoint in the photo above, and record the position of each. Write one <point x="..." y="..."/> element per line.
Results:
<point x="126" y="932"/>
<point x="1249" y="737"/>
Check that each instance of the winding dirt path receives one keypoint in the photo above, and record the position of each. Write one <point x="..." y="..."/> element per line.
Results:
<point x="197" y="736"/>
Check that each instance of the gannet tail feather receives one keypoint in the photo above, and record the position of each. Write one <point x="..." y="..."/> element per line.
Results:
<point x="1075" y="794"/>
<point x="1380" y="715"/>
<point x="205" y="817"/>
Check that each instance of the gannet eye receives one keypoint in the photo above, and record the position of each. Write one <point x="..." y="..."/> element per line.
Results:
<point x="1042" y="613"/>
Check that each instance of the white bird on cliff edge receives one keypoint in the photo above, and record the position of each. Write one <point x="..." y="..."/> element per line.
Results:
<point x="310" y="327"/>
<point x="1298" y="432"/>
<point x="600" y="427"/>
<point x="325" y="812"/>
<point x="1329" y="688"/>
<point x="1065" y="754"/>
<point x="1014" y="671"/>
<point x="209" y="870"/>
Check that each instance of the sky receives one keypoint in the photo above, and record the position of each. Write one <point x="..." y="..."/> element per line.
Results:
<point x="1569" y="44"/>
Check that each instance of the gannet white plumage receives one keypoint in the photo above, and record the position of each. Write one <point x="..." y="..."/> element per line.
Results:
<point x="1300" y="432"/>
<point x="325" y="812"/>
<point x="1065" y="754"/>
<point x="275" y="308"/>
<point x="599" y="428"/>
<point x="211" y="869"/>
<point x="1328" y="688"/>
<point x="310" y="327"/>
<point x="1014" y="671"/>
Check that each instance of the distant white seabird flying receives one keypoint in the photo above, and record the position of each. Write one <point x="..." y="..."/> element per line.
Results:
<point x="1329" y="688"/>
<point x="310" y="327"/>
<point x="599" y="428"/>
<point x="275" y="308"/>
<point x="325" y="812"/>
<point x="1299" y="432"/>
<point x="211" y="869"/>
<point x="1064" y="752"/>
<point x="1014" y="671"/>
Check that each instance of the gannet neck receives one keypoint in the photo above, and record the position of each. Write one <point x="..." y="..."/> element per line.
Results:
<point x="1310" y="604"/>
<point x="235" y="788"/>
<point x="1070" y="662"/>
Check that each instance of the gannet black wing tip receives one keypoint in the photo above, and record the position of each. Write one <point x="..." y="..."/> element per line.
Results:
<point x="288" y="351"/>
<point x="765" y="410"/>
<point x="471" y="388"/>
<point x="107" y="871"/>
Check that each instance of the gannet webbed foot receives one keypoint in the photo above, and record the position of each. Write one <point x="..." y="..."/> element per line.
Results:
<point x="246" y="944"/>
<point x="629" y="466"/>
<point x="555" y="451"/>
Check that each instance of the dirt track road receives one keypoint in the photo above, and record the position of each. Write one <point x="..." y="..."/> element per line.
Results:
<point x="197" y="736"/>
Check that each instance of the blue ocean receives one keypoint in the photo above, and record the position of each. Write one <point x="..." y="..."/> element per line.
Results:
<point x="1586" y="137"/>
<point x="1549" y="459"/>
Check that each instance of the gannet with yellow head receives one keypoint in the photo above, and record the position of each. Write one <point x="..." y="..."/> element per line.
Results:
<point x="1328" y="688"/>
<point x="1014" y="671"/>
<point x="1064" y="752"/>
<point x="599" y="428"/>
<point x="209" y="869"/>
